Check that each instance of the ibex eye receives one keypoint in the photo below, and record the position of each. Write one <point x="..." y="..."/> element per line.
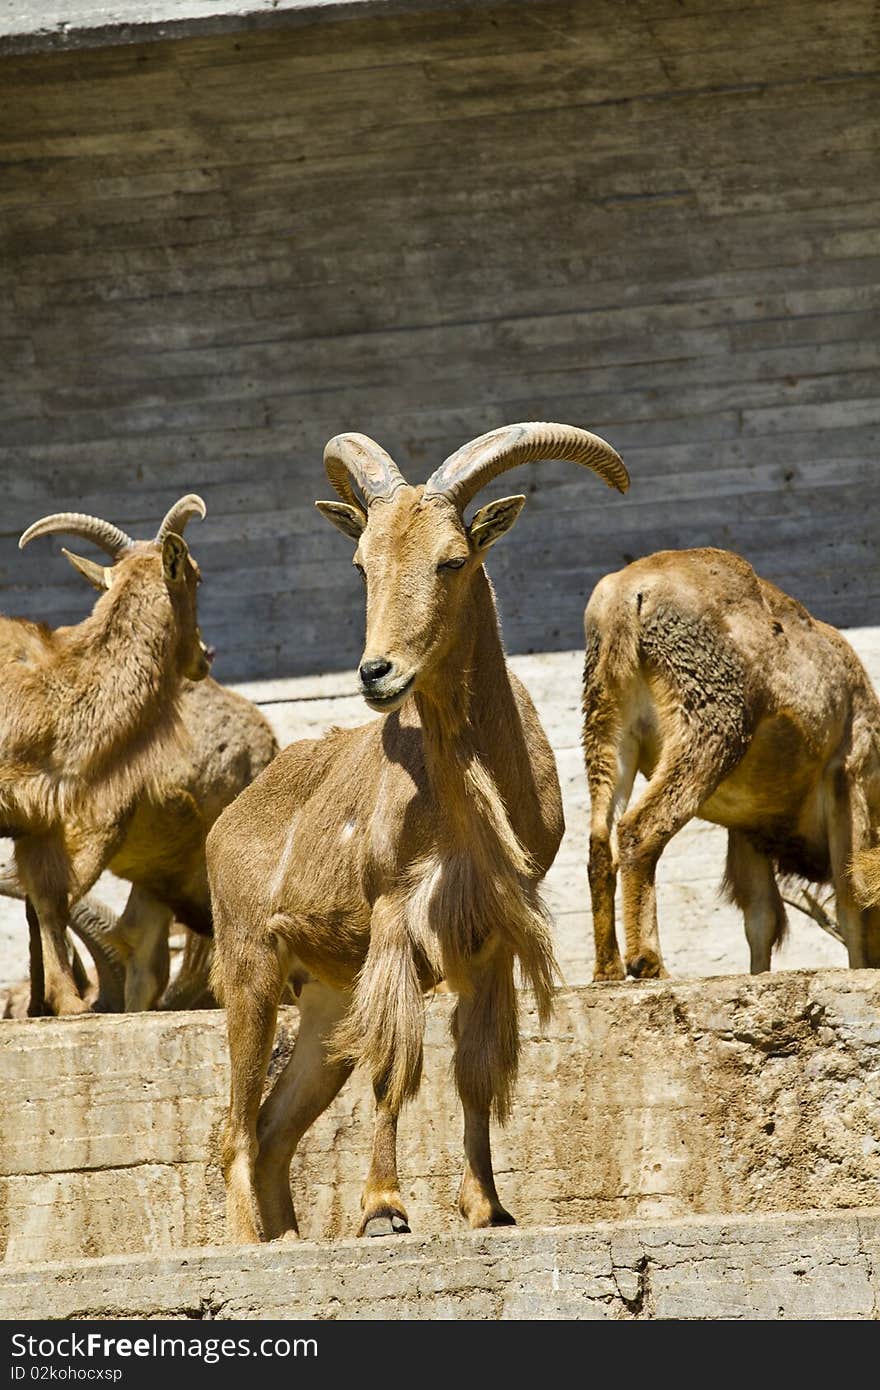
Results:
<point x="360" y="569"/>
<point x="452" y="564"/>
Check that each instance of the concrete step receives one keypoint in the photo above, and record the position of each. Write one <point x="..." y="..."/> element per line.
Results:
<point x="787" y="1265"/>
<point x="649" y="1100"/>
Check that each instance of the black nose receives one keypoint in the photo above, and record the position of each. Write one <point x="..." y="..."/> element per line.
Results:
<point x="372" y="671"/>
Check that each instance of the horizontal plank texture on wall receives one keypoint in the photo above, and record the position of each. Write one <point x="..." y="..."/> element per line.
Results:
<point x="658" y="220"/>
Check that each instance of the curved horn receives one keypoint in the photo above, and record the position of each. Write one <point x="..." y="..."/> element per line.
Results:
<point x="95" y="924"/>
<point x="460" y="477"/>
<point x="183" y="511"/>
<point x="356" y="456"/>
<point x="91" y="528"/>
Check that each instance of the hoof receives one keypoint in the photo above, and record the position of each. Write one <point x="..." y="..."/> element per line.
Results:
<point x="609" y="974"/>
<point x="72" y="1008"/>
<point x="385" y="1226"/>
<point x="483" y="1217"/>
<point x="497" y="1219"/>
<point x="647" y="966"/>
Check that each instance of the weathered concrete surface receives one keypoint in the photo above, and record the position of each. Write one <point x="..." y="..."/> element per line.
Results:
<point x="786" y="1266"/>
<point x="650" y="1100"/>
<point x="35" y="26"/>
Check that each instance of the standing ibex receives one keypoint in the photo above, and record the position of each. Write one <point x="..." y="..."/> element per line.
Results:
<point x="377" y="861"/>
<point x="738" y="707"/>
<point x="86" y="714"/>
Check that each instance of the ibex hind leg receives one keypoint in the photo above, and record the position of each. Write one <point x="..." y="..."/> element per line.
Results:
<point x="306" y="1086"/>
<point x="383" y="1210"/>
<point x="610" y="781"/>
<point x="750" y="882"/>
<point x="685" y="777"/>
<point x="144" y="926"/>
<point x="44" y="873"/>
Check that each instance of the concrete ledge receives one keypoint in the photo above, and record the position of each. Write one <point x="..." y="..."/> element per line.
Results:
<point x="32" y="26"/>
<point x="654" y="1100"/>
<point x="783" y="1266"/>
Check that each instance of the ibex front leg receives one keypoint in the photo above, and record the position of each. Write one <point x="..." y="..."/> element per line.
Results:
<point x="486" y="1031"/>
<point x="44" y="873"/>
<point x="383" y="1211"/>
<point x="384" y="1030"/>
<point x="60" y="989"/>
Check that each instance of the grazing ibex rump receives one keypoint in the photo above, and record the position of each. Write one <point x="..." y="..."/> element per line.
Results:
<point x="738" y="707"/>
<point x="377" y="861"/>
<point x="227" y="741"/>
<point x="85" y="712"/>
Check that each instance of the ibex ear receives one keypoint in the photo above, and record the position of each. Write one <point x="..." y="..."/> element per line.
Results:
<point x="175" y="554"/>
<point x="494" y="520"/>
<point x="344" y="517"/>
<point x="97" y="575"/>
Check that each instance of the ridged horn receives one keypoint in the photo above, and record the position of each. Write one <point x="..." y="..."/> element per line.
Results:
<point x="460" y="477"/>
<point x="90" y="528"/>
<point x="95" y="924"/>
<point x="356" y="457"/>
<point x="177" y="516"/>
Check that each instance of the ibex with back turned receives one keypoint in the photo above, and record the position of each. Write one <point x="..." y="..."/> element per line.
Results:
<point x="741" y="708"/>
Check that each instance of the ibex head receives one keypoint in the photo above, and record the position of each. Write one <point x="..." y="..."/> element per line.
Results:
<point x="179" y="570"/>
<point x="415" y="551"/>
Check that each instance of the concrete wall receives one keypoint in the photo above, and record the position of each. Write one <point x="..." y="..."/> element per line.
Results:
<point x="656" y="220"/>
<point x="39" y="26"/>
<point x="659" y="1100"/>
